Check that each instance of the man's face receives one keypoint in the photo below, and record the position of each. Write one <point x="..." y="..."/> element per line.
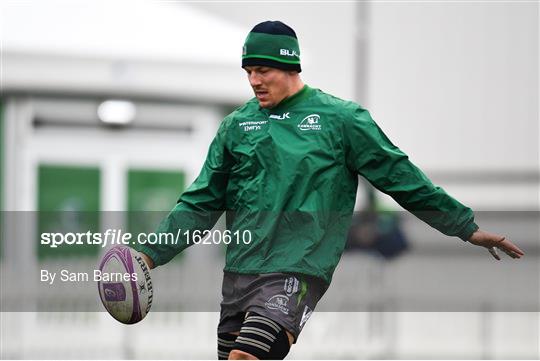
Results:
<point x="270" y="85"/>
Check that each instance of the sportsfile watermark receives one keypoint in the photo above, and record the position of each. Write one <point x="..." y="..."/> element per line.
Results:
<point x="113" y="237"/>
<point x="392" y="261"/>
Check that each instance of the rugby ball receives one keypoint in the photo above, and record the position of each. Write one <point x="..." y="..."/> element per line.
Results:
<point x="124" y="284"/>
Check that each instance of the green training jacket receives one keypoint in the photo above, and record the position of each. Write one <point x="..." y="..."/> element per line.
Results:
<point x="289" y="176"/>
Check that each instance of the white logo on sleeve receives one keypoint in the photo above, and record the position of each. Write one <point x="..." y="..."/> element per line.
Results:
<point x="311" y="122"/>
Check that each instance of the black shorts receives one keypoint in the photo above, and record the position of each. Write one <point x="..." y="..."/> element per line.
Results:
<point x="288" y="299"/>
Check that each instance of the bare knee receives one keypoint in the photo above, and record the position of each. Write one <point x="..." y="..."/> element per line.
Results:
<point x="241" y="355"/>
<point x="290" y="337"/>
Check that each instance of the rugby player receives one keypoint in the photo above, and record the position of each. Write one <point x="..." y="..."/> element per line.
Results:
<point x="285" y="167"/>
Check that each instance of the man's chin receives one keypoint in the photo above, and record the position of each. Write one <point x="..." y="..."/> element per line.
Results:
<point x="265" y="105"/>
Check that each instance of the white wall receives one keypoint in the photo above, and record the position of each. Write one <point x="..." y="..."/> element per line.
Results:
<point x="456" y="84"/>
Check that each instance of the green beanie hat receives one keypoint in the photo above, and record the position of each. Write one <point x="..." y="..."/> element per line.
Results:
<point x="273" y="44"/>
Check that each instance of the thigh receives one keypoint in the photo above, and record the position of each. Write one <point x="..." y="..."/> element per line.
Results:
<point x="231" y="313"/>
<point x="287" y="299"/>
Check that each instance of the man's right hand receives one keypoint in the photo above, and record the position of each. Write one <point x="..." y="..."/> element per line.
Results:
<point x="148" y="260"/>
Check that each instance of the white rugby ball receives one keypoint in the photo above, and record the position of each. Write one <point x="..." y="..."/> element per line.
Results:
<point x="124" y="284"/>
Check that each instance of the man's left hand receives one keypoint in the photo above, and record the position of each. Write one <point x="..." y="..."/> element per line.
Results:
<point x="493" y="242"/>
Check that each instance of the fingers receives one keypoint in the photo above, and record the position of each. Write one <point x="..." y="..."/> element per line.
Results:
<point x="511" y="254"/>
<point x="507" y="247"/>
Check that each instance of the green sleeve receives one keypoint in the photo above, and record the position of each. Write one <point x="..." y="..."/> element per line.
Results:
<point x="200" y="206"/>
<point x="371" y="154"/>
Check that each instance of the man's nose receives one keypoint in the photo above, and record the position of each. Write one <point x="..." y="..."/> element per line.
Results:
<point x="254" y="79"/>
